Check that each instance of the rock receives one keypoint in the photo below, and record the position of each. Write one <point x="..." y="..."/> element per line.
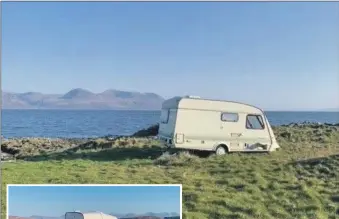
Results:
<point x="110" y="137"/>
<point x="6" y="156"/>
<point x="151" y="131"/>
<point x="287" y="135"/>
<point x="292" y="125"/>
<point x="9" y="149"/>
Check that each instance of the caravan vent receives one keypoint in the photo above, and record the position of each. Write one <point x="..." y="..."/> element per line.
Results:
<point x="191" y="96"/>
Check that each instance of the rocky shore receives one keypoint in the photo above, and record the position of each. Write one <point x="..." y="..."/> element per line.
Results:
<point x="24" y="148"/>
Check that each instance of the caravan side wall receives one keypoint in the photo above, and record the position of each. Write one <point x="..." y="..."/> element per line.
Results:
<point x="197" y="124"/>
<point x="198" y="128"/>
<point x="204" y="129"/>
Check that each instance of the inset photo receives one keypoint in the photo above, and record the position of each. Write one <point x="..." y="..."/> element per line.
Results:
<point x="94" y="201"/>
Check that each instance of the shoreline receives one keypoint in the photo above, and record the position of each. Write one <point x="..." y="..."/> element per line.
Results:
<point x="25" y="148"/>
<point x="152" y="132"/>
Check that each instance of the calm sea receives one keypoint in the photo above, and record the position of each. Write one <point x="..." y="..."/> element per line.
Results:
<point x="83" y="124"/>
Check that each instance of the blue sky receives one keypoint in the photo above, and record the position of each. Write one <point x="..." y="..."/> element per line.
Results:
<point x="56" y="200"/>
<point x="276" y="55"/>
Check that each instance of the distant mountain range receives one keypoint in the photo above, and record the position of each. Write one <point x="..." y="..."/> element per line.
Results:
<point x="83" y="99"/>
<point x="148" y="215"/>
<point x="34" y="217"/>
<point x="45" y="217"/>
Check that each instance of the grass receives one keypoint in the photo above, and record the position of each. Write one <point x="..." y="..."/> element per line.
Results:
<point x="300" y="181"/>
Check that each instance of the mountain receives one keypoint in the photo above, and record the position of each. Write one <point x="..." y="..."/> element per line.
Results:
<point x="44" y="217"/>
<point x="34" y="217"/>
<point x="16" y="217"/>
<point x="78" y="93"/>
<point x="148" y="215"/>
<point x="83" y="99"/>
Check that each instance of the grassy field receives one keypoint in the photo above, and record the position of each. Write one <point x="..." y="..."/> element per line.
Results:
<point x="300" y="181"/>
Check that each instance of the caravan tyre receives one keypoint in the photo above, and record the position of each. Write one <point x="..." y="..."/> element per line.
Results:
<point x="221" y="150"/>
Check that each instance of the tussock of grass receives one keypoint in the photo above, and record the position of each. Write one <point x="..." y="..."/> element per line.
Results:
<point x="300" y="181"/>
<point x="177" y="159"/>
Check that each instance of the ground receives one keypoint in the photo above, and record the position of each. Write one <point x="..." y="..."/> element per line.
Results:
<point x="299" y="181"/>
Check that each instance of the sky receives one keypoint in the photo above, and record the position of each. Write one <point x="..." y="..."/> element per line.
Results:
<point x="55" y="201"/>
<point x="275" y="55"/>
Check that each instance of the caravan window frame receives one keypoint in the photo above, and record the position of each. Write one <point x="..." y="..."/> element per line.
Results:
<point x="223" y="113"/>
<point x="259" y="118"/>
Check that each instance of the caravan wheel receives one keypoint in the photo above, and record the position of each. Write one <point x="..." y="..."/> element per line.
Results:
<point x="221" y="150"/>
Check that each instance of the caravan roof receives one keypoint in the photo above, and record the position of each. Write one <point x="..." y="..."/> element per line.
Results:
<point x="208" y="104"/>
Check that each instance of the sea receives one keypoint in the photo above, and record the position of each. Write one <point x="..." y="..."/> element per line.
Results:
<point x="97" y="123"/>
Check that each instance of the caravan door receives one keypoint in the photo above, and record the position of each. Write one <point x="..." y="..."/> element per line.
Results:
<point x="256" y="136"/>
<point x="232" y="130"/>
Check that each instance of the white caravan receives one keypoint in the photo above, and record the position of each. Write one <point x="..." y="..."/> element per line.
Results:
<point x="89" y="215"/>
<point x="215" y="125"/>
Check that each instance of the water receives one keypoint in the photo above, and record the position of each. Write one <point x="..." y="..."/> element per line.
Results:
<point x="83" y="124"/>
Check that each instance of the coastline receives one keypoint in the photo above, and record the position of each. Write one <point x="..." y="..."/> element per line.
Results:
<point x="27" y="148"/>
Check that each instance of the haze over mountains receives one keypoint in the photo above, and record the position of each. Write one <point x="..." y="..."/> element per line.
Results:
<point x="83" y="99"/>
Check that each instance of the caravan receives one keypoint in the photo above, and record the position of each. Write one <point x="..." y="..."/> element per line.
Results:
<point x="89" y="215"/>
<point x="214" y="125"/>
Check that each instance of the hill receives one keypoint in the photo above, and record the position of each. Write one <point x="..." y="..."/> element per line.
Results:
<point x="299" y="181"/>
<point x="17" y="217"/>
<point x="83" y="99"/>
<point x="45" y="217"/>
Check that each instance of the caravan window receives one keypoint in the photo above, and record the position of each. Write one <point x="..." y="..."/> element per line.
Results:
<point x="229" y="117"/>
<point x="254" y="122"/>
<point x="74" y="215"/>
<point x="164" y="116"/>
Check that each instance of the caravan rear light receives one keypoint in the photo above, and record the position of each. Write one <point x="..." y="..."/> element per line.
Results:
<point x="179" y="138"/>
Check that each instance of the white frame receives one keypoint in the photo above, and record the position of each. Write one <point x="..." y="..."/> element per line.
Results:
<point x="98" y="185"/>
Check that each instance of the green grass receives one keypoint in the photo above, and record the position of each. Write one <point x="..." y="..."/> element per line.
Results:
<point x="300" y="181"/>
